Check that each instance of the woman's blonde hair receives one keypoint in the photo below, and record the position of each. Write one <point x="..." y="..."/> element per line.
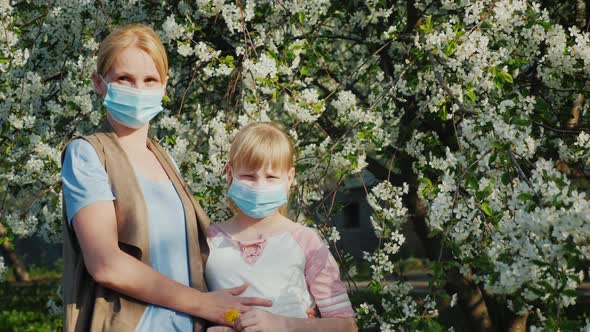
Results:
<point x="132" y="35"/>
<point x="258" y="145"/>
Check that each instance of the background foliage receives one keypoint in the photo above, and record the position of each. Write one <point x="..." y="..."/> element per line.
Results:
<point x="472" y="114"/>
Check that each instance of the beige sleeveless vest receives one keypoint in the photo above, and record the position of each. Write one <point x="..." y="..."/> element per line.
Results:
<point x="88" y="305"/>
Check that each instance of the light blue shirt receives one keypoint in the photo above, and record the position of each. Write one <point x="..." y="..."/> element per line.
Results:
<point x="85" y="181"/>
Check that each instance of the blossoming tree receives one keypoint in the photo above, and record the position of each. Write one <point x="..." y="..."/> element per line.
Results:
<point x="472" y="113"/>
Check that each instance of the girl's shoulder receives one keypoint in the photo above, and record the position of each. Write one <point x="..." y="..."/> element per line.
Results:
<point x="308" y="238"/>
<point x="213" y="230"/>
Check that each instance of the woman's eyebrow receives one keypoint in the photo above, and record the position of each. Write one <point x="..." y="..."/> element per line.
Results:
<point x="122" y="73"/>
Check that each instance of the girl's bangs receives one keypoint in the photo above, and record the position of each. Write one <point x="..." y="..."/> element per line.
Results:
<point x="261" y="152"/>
<point x="261" y="145"/>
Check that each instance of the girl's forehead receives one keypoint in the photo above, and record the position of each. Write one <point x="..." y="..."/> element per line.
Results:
<point x="266" y="168"/>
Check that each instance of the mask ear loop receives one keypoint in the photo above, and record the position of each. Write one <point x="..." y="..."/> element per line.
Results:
<point x="105" y="82"/>
<point x="230" y="179"/>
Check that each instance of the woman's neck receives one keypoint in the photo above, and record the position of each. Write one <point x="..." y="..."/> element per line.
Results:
<point x="130" y="139"/>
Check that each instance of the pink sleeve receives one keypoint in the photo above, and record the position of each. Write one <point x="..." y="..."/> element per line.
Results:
<point x="212" y="231"/>
<point x="323" y="276"/>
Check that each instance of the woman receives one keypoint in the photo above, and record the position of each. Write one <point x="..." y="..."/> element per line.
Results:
<point x="134" y="237"/>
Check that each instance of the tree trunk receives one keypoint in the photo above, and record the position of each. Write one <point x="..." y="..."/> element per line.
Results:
<point x="470" y="298"/>
<point x="517" y="323"/>
<point x="581" y="14"/>
<point x="412" y="15"/>
<point x="582" y="23"/>
<point x="575" y="115"/>
<point x="20" y="270"/>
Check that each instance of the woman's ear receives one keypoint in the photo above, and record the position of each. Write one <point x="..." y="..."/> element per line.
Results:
<point x="99" y="86"/>
<point x="165" y="83"/>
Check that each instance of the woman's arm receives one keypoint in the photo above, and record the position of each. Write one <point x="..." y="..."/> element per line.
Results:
<point x="262" y="320"/>
<point x="96" y="229"/>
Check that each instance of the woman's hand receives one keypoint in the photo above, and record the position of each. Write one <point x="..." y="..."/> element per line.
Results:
<point x="257" y="320"/>
<point x="214" y="305"/>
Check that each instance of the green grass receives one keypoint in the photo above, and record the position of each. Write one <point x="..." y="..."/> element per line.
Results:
<point x="404" y="265"/>
<point x="25" y="321"/>
<point x="39" y="272"/>
<point x="23" y="306"/>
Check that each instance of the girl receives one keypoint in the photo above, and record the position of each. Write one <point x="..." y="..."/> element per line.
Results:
<point x="280" y="259"/>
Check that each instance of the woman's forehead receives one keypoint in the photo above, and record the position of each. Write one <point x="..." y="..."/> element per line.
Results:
<point x="134" y="61"/>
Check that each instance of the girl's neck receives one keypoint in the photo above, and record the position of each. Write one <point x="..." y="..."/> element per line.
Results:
<point x="130" y="139"/>
<point x="243" y="222"/>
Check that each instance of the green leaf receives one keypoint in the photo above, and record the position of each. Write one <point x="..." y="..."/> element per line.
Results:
<point x="506" y="179"/>
<point x="498" y="83"/>
<point x="525" y="197"/>
<point x="426" y="181"/>
<point x="166" y="98"/>
<point x="506" y="77"/>
<point x="300" y="17"/>
<point x="427" y="26"/>
<point x="305" y="71"/>
<point x="497" y="145"/>
<point x="473" y="183"/>
<point x="450" y="48"/>
<point x="546" y="25"/>
<point x="471" y="95"/>
<point x="443" y="112"/>
<point x="228" y="60"/>
<point x="487" y="208"/>
<point x="540" y="262"/>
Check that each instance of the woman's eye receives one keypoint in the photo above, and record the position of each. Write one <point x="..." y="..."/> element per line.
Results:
<point x="123" y="78"/>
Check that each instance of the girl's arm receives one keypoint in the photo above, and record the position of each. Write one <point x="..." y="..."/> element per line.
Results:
<point x="322" y="324"/>
<point x="261" y="320"/>
<point x="96" y="229"/>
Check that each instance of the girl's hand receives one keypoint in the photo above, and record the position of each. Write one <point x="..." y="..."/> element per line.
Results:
<point x="257" y="320"/>
<point x="214" y="305"/>
<point x="220" y="329"/>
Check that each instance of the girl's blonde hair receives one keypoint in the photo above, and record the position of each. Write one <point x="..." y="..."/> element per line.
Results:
<point x="258" y="145"/>
<point x="132" y="35"/>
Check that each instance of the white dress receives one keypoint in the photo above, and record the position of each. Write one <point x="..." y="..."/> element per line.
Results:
<point x="294" y="269"/>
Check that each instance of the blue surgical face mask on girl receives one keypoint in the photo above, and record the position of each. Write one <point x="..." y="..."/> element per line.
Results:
<point x="132" y="107"/>
<point x="258" y="201"/>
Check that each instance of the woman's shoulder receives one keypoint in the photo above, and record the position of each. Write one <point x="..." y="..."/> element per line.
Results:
<point x="80" y="155"/>
<point x="80" y="148"/>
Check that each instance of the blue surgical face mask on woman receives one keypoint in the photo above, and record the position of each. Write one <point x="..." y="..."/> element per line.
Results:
<point x="132" y="107"/>
<point x="258" y="201"/>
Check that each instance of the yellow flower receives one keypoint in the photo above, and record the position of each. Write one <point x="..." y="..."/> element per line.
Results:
<point x="231" y="315"/>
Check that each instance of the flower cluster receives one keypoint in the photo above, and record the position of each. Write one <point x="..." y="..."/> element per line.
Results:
<point x="477" y="96"/>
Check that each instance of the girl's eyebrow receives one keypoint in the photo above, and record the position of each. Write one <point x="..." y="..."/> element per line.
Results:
<point x="153" y="77"/>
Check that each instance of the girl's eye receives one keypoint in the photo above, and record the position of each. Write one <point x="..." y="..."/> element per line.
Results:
<point x="123" y="78"/>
